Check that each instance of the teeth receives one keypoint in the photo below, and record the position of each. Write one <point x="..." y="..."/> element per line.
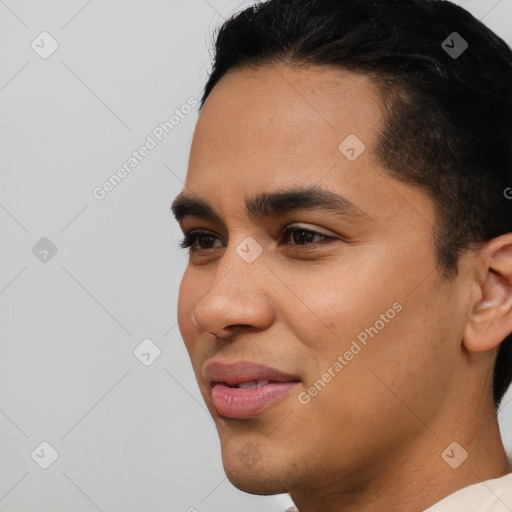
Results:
<point x="250" y="384"/>
<point x="253" y="384"/>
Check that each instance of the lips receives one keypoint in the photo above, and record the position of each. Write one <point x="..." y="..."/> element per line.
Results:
<point x="233" y="374"/>
<point x="244" y="389"/>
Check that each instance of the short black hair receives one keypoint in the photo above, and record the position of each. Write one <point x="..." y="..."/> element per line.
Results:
<point x="448" y="125"/>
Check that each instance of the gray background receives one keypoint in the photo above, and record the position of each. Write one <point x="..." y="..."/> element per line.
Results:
<point x="129" y="437"/>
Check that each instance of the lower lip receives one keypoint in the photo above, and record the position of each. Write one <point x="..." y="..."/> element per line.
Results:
<point x="241" y="403"/>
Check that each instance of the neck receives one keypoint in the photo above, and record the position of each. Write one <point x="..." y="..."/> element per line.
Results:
<point x="417" y="476"/>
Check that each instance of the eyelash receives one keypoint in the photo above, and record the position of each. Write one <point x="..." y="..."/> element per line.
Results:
<point x="190" y="238"/>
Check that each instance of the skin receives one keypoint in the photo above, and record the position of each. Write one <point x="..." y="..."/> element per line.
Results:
<point x="372" y="438"/>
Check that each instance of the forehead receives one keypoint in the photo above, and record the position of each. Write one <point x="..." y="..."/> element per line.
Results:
<point x="270" y="128"/>
<point x="288" y="110"/>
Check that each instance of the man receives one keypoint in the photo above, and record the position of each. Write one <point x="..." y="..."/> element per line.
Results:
<point x="347" y="305"/>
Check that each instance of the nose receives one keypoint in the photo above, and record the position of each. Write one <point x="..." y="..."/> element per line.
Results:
<point x="239" y="296"/>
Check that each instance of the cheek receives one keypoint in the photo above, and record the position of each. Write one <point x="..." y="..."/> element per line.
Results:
<point x="402" y="366"/>
<point x="184" y="296"/>
<point x="382" y="324"/>
<point x="189" y="294"/>
<point x="407" y="349"/>
<point x="339" y="302"/>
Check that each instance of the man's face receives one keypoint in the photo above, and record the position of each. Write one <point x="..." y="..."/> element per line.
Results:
<point x="363" y="325"/>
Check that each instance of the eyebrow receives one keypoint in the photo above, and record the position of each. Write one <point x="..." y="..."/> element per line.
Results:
<point x="272" y="204"/>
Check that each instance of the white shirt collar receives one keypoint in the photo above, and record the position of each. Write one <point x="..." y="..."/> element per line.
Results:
<point x="493" y="495"/>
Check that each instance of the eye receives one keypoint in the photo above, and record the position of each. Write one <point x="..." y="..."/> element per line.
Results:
<point x="190" y="239"/>
<point x="299" y="234"/>
<point x="300" y="237"/>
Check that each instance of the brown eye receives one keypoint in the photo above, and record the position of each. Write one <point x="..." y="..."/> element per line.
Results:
<point x="199" y="241"/>
<point x="302" y="236"/>
<point x="206" y="240"/>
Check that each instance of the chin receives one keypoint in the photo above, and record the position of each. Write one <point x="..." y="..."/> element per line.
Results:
<point x="258" y="482"/>
<point x="252" y="471"/>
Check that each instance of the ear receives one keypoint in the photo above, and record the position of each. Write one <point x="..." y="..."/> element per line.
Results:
<point x="490" y="319"/>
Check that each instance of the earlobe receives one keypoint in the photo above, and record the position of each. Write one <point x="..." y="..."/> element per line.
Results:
<point x="490" y="319"/>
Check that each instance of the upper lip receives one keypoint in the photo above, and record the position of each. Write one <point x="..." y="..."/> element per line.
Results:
<point x="244" y="371"/>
